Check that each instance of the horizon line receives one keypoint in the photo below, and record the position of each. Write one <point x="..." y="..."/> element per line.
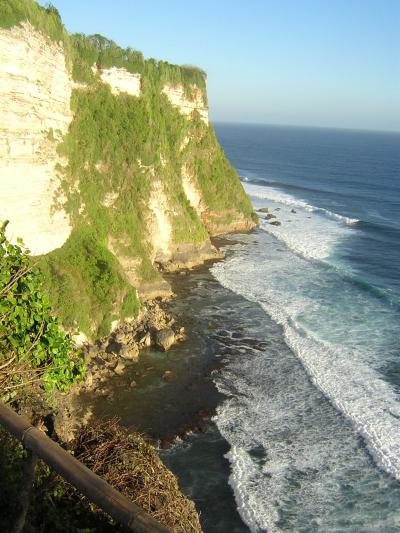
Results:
<point x="305" y="126"/>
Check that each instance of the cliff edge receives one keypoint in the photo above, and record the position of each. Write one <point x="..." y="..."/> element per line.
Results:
<point x="110" y="170"/>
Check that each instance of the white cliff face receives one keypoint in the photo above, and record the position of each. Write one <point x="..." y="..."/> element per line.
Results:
<point x="35" y="91"/>
<point x="192" y="192"/>
<point x="160" y="225"/>
<point x="176" y="95"/>
<point x="121" y="81"/>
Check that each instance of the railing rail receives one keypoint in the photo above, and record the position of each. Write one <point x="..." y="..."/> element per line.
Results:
<point x="92" y="486"/>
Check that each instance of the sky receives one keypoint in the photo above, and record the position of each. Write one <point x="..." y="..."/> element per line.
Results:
<point x="325" y="63"/>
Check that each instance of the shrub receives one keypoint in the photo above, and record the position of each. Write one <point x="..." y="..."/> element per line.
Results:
<point x="32" y="345"/>
<point x="44" y="19"/>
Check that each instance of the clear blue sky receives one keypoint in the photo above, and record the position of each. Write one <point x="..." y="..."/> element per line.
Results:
<point x="306" y="62"/>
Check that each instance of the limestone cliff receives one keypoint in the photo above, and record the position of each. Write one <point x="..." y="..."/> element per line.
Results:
<point x="35" y="92"/>
<point x="120" y="80"/>
<point x="187" y="104"/>
<point x="109" y="169"/>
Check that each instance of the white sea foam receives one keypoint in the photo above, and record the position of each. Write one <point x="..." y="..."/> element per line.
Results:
<point x="304" y="229"/>
<point x="339" y="333"/>
<point x="250" y="505"/>
<point x="333" y="216"/>
<point x="270" y="193"/>
<point x="344" y="367"/>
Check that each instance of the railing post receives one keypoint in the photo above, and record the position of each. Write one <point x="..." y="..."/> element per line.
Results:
<point x="92" y="486"/>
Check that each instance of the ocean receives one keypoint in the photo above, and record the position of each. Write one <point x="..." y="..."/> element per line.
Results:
<point x="311" y="415"/>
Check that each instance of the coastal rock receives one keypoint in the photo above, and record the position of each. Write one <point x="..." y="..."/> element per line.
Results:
<point x="176" y="94"/>
<point x="121" y="81"/>
<point x="275" y="223"/>
<point x="35" y="115"/>
<point x="228" y="221"/>
<point x="169" y="375"/>
<point x="145" y="341"/>
<point x="164" y="339"/>
<point x="89" y="379"/>
<point x="91" y="351"/>
<point x="293" y="211"/>
<point x="269" y="216"/>
<point x="155" y="318"/>
<point x="179" y="333"/>
<point x="120" y="368"/>
<point x="121" y="337"/>
<point x="263" y="210"/>
<point x="101" y="374"/>
<point x="192" y="191"/>
<point x="130" y="352"/>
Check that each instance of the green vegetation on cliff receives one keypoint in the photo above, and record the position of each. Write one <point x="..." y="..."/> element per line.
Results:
<point x="219" y="183"/>
<point x="45" y="19"/>
<point x="113" y="150"/>
<point x="87" y="285"/>
<point x="33" y="348"/>
<point x="117" y="147"/>
<point x="105" y="53"/>
<point x="122" y="150"/>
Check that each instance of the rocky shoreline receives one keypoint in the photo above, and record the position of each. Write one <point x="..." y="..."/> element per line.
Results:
<point x="154" y="326"/>
<point x="119" y="362"/>
<point x="111" y="357"/>
<point x="112" y="360"/>
<point x="166" y="395"/>
<point x="69" y="418"/>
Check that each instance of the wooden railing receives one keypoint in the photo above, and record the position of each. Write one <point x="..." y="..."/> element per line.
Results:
<point x="92" y="486"/>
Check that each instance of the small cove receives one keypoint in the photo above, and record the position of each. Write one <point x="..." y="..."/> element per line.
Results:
<point x="183" y="407"/>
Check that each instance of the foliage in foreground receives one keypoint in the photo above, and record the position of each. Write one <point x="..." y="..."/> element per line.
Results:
<point x="126" y="461"/>
<point x="33" y="348"/>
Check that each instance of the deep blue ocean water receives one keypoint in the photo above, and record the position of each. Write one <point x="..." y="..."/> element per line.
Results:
<point x="312" y="420"/>
<point x="350" y="173"/>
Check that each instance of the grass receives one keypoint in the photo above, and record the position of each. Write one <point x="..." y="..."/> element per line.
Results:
<point x="45" y="19"/>
<point x="87" y="285"/>
<point x="219" y="182"/>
